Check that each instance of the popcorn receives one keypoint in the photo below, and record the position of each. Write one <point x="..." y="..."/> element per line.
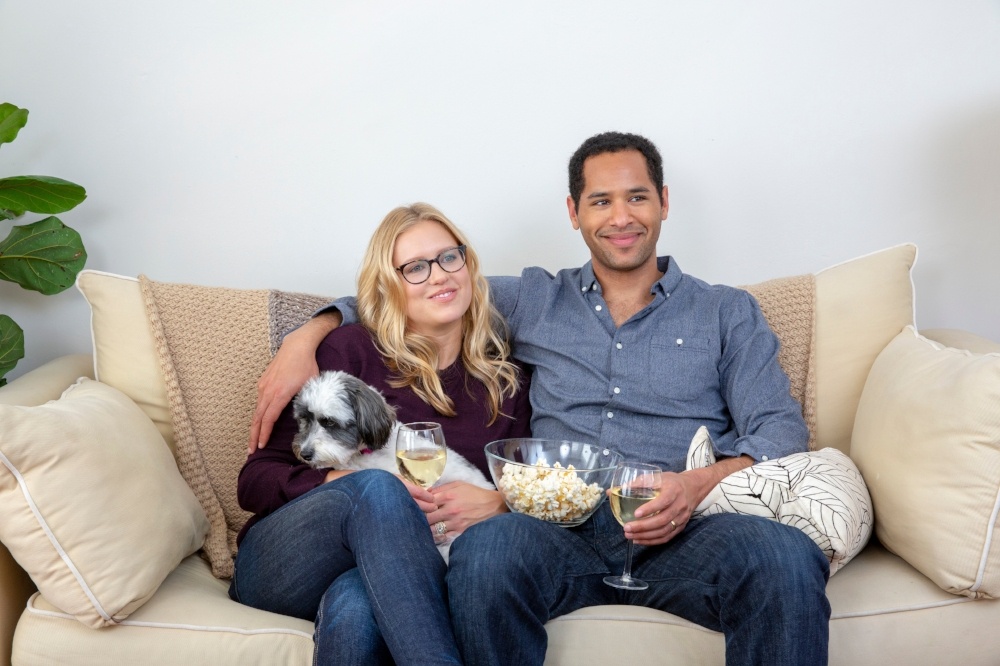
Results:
<point x="548" y="491"/>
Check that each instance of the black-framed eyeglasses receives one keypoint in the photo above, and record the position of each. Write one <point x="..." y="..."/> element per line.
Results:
<point x="419" y="270"/>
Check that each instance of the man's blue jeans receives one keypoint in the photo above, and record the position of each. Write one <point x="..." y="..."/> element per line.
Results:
<point x="356" y="556"/>
<point x="761" y="583"/>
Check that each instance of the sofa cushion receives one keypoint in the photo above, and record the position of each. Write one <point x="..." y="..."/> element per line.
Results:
<point x="94" y="508"/>
<point x="861" y="305"/>
<point x="927" y="441"/>
<point x="190" y="620"/>
<point x="124" y="351"/>
<point x="879" y="606"/>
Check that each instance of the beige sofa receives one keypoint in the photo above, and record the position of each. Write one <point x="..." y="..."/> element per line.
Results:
<point x="111" y="541"/>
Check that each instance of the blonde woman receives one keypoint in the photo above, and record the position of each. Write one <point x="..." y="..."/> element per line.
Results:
<point x="354" y="551"/>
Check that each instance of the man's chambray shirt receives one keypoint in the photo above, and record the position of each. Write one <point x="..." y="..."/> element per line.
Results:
<point x="698" y="354"/>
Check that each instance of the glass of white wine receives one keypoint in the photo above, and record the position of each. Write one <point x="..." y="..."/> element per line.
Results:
<point x="420" y="452"/>
<point x="632" y="485"/>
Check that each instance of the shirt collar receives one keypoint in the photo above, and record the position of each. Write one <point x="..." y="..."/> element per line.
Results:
<point x="671" y="277"/>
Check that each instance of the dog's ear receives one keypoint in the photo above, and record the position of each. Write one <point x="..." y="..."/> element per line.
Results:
<point x="372" y="414"/>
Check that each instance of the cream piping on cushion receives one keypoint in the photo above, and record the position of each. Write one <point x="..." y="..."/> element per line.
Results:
<point x="821" y="493"/>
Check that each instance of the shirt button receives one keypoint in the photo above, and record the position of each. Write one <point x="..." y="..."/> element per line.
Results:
<point x="611" y="415"/>
<point x="763" y="458"/>
<point x="617" y="390"/>
<point x="584" y="289"/>
<point x="619" y="345"/>
<point x="598" y="308"/>
<point x="680" y="341"/>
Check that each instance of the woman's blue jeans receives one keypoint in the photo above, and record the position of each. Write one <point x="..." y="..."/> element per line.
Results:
<point x="761" y="583"/>
<point x="356" y="556"/>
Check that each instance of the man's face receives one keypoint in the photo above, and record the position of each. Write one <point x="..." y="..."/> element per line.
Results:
<point x="620" y="212"/>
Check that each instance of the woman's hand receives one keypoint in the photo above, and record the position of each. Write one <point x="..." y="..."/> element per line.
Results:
<point x="461" y="505"/>
<point x="423" y="497"/>
<point x="291" y="367"/>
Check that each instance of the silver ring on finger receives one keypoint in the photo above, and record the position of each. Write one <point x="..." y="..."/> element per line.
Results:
<point x="440" y="528"/>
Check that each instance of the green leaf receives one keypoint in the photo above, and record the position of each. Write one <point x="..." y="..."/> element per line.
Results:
<point x="40" y="194"/>
<point x="12" y="119"/>
<point x="8" y="214"/>
<point x="44" y="256"/>
<point x="11" y="346"/>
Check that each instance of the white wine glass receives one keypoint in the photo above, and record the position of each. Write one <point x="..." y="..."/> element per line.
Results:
<point x="420" y="452"/>
<point x="632" y="485"/>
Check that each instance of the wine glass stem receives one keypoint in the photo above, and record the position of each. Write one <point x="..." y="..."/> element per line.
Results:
<point x="627" y="575"/>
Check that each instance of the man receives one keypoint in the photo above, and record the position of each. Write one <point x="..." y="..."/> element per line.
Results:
<point x="629" y="352"/>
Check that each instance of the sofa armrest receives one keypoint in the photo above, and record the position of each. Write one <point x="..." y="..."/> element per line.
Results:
<point x="48" y="381"/>
<point x="953" y="337"/>
<point x="33" y="388"/>
<point x="15" y="588"/>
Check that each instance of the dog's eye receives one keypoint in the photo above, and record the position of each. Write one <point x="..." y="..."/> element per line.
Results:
<point x="328" y="423"/>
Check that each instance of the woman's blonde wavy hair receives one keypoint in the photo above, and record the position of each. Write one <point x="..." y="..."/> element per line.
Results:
<point x="413" y="358"/>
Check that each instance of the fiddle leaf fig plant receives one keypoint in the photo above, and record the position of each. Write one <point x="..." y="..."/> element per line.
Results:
<point x="44" y="255"/>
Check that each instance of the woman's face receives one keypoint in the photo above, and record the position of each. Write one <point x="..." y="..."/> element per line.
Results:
<point x="436" y="306"/>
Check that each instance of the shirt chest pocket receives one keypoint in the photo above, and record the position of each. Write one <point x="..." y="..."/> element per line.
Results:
<point x="683" y="368"/>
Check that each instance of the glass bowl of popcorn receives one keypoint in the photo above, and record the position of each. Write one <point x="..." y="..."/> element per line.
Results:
<point x="558" y="481"/>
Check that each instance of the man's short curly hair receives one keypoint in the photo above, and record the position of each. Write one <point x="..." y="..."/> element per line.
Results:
<point x="614" y="142"/>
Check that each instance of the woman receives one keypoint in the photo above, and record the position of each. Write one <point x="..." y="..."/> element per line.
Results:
<point x="354" y="550"/>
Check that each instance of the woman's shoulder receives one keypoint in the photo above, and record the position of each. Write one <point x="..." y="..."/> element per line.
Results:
<point x="350" y="333"/>
<point x="351" y="340"/>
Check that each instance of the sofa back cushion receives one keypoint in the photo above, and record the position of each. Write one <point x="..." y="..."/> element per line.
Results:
<point x="861" y="305"/>
<point x="860" y="301"/>
<point x="202" y="350"/>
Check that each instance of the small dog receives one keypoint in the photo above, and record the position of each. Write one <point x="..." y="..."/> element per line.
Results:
<point x="346" y="424"/>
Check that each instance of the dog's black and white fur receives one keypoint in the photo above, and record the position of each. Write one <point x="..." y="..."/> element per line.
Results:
<point x="346" y="424"/>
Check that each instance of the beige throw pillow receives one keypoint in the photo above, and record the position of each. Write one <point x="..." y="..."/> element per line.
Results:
<point x="94" y="508"/>
<point x="927" y="441"/>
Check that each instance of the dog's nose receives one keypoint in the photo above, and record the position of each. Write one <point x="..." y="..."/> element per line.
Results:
<point x="306" y="454"/>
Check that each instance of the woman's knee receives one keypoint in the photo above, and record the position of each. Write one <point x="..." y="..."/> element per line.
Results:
<point x="347" y="599"/>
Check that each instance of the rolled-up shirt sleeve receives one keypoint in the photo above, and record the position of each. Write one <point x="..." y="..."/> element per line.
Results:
<point x="767" y="419"/>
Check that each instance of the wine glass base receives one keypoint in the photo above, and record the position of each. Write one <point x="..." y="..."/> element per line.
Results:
<point x="625" y="583"/>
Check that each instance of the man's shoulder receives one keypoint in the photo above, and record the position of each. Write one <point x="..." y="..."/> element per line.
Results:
<point x="721" y="290"/>
<point x="531" y="279"/>
<point x="730" y="303"/>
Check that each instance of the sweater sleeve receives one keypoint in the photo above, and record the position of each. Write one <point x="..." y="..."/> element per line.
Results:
<point x="273" y="476"/>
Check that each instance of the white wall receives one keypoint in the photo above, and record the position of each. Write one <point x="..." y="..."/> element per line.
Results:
<point x="256" y="144"/>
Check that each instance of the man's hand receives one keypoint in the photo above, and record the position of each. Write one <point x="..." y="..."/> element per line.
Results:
<point x="661" y="519"/>
<point x="291" y="367"/>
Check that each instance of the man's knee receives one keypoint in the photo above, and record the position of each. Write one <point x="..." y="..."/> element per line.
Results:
<point x="783" y="556"/>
